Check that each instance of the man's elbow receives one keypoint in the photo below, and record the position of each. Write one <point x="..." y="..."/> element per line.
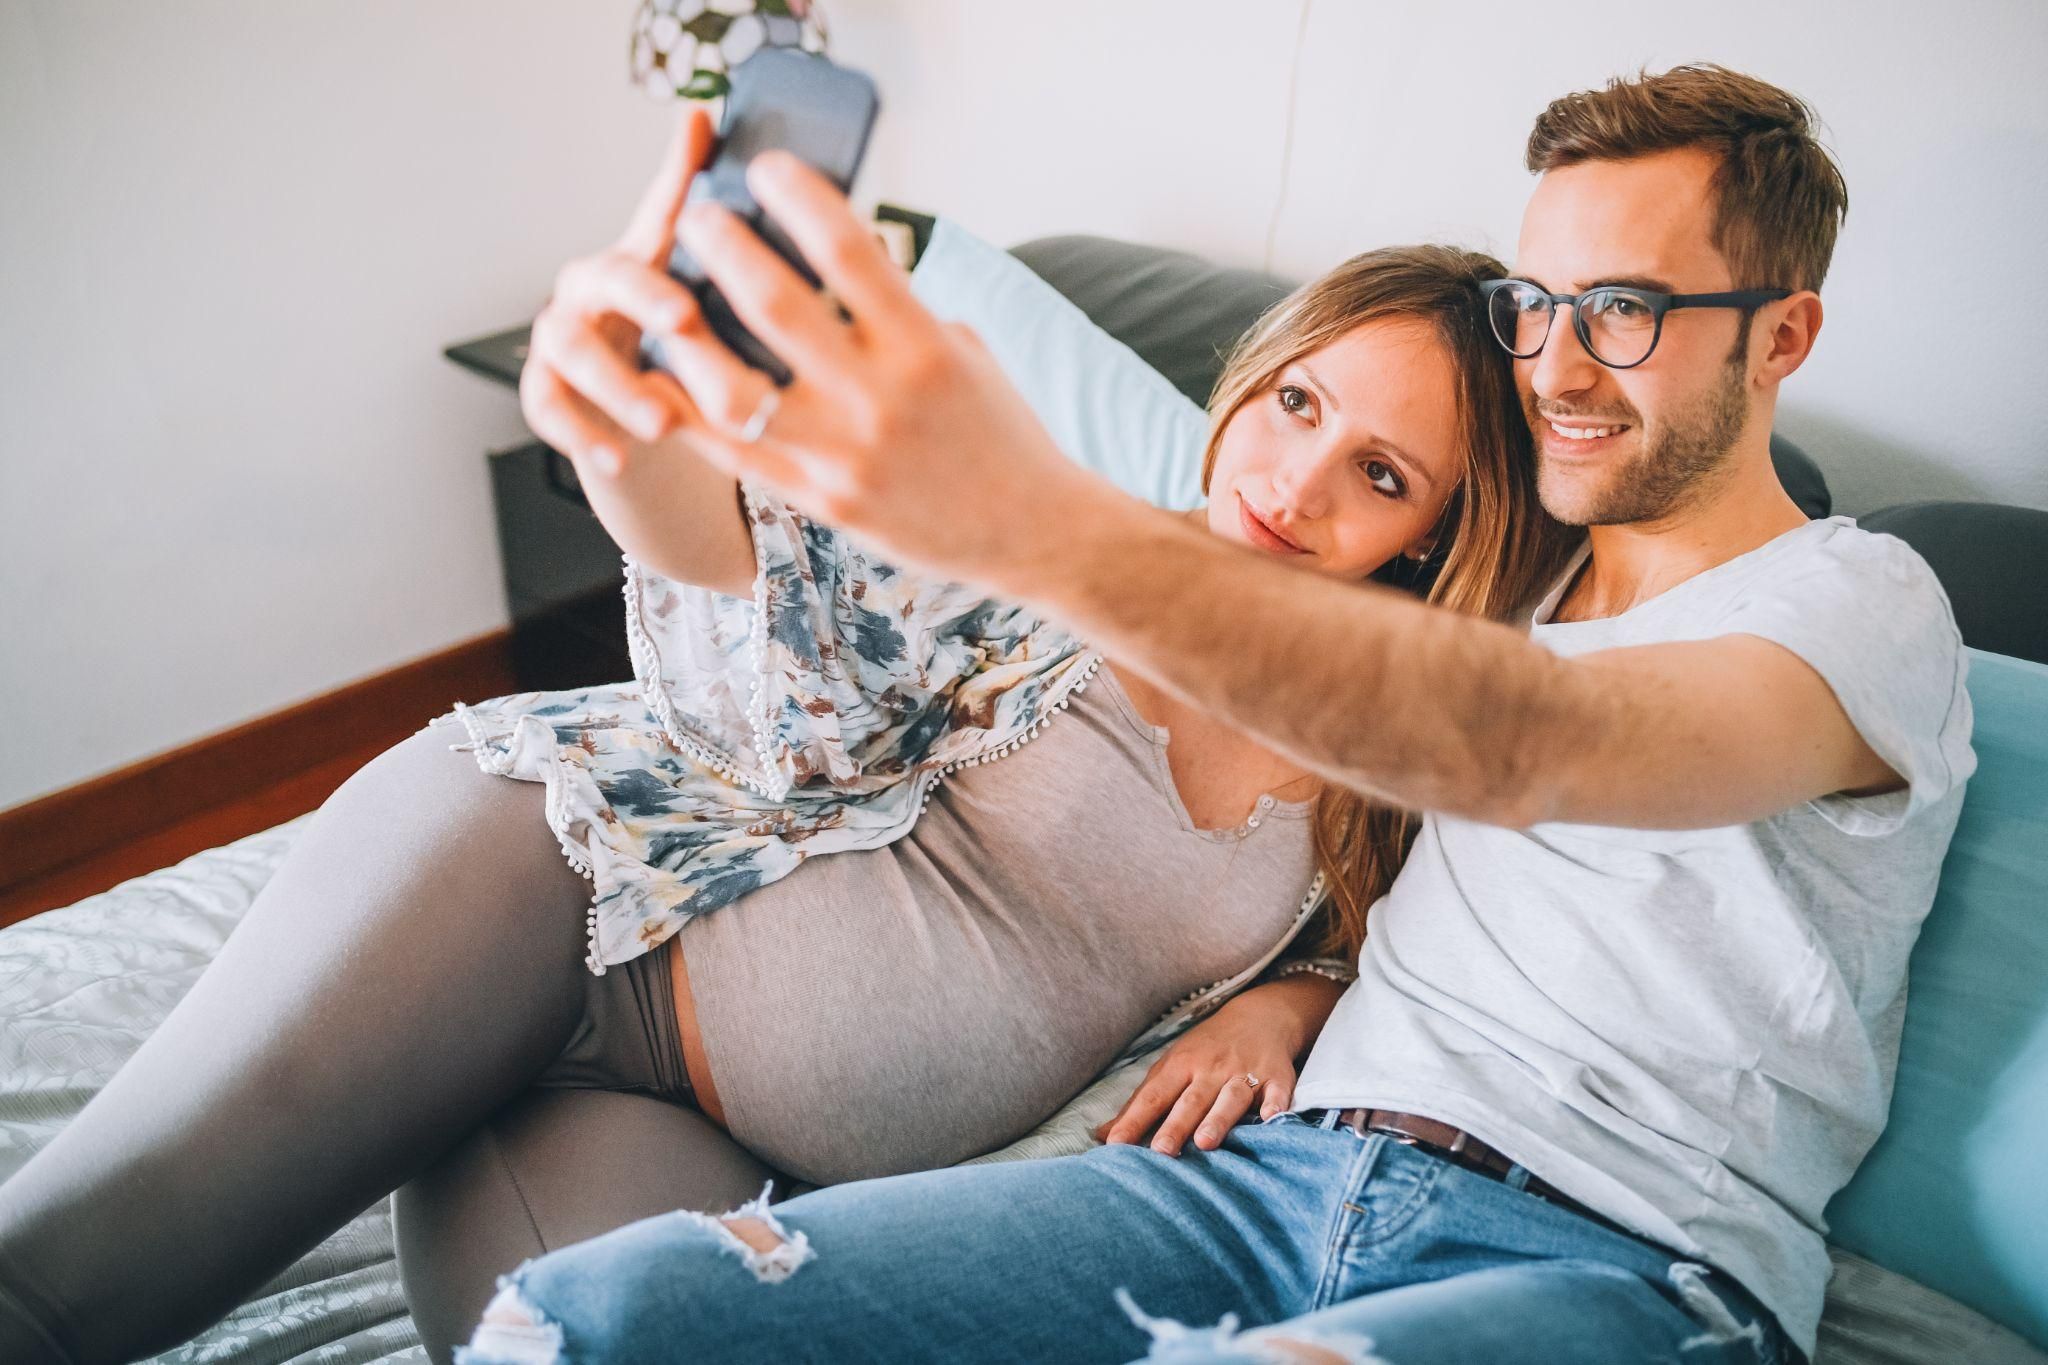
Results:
<point x="1517" y="796"/>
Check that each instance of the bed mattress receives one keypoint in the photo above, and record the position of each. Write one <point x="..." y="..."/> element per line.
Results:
<point x="81" y="987"/>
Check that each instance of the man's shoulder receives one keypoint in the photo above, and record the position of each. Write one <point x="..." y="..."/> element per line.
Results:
<point x="1833" y="568"/>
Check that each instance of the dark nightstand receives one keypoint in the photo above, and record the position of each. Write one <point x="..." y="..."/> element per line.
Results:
<point x="563" y="579"/>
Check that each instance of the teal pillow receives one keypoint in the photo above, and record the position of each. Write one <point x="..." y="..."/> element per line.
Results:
<point x="1955" y="1193"/>
<point x="1109" y="411"/>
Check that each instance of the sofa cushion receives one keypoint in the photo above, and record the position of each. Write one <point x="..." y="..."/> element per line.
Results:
<point x="1993" y="562"/>
<point x="1107" y="408"/>
<point x="1955" y="1192"/>
<point x="1876" y="1317"/>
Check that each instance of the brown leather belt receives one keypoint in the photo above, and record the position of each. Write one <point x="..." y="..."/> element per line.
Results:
<point x="1458" y="1146"/>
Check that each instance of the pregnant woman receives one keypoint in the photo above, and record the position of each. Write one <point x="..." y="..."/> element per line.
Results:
<point x="867" y="872"/>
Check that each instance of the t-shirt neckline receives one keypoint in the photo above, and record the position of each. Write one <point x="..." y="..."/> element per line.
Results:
<point x="1540" y="616"/>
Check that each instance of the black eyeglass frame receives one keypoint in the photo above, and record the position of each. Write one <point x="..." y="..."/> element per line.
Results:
<point x="1658" y="304"/>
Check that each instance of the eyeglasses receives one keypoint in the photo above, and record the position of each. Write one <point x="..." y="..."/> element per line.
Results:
<point x="1617" y="325"/>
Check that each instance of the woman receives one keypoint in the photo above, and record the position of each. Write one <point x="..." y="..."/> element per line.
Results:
<point x="986" y="945"/>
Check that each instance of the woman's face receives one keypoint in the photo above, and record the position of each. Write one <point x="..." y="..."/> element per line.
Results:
<point x="1347" y="457"/>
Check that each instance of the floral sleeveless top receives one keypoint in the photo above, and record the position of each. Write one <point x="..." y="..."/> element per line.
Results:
<point x="814" y="718"/>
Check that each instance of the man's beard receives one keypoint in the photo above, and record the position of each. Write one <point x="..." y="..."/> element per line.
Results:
<point x="1690" y="450"/>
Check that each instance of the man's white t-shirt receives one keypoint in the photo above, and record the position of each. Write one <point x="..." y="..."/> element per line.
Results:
<point x="1692" y="1032"/>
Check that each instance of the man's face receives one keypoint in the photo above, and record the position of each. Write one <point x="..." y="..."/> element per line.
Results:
<point x="1635" y="445"/>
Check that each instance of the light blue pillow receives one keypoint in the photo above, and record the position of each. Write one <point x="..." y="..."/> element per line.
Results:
<point x="1955" y="1193"/>
<point x="1109" y="411"/>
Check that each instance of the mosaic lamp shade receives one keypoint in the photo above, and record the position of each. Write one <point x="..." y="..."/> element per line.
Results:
<point x="685" y="47"/>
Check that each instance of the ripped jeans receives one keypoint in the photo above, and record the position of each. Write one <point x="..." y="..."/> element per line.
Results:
<point x="1293" y="1241"/>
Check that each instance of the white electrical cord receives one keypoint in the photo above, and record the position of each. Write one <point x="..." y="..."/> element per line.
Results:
<point x="1287" y="137"/>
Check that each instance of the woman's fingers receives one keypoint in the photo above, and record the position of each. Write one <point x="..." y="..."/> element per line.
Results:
<point x="572" y="347"/>
<point x="571" y="423"/>
<point x="1229" y="1106"/>
<point x="612" y="282"/>
<point x="1146" y="1105"/>
<point x="1187" y="1111"/>
<point x="1276" y="1096"/>
<point x="838" y="245"/>
<point x="651" y="230"/>
<point x="776" y="304"/>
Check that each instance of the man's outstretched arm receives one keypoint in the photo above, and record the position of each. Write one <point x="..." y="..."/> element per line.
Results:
<point x="903" y="431"/>
<point x="1437" y="711"/>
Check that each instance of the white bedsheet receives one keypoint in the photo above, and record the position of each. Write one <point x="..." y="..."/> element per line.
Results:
<point x="81" y="987"/>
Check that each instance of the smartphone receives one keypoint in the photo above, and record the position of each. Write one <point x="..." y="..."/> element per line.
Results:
<point x="780" y="97"/>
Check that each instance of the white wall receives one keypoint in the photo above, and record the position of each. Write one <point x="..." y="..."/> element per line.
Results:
<point x="1162" y="120"/>
<point x="235" y="472"/>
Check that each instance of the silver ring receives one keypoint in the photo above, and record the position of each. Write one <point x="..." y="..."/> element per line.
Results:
<point x="1253" y="1081"/>
<point x="763" y="411"/>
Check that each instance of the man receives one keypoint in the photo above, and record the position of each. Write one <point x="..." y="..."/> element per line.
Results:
<point x="1630" y="1013"/>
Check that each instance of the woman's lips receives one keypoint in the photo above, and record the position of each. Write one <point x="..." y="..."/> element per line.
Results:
<point x="1262" y="535"/>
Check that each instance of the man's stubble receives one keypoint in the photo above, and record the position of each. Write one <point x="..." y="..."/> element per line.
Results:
<point x="1676" y="468"/>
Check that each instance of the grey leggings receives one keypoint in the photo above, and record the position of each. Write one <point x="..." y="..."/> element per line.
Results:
<point x="404" y="1004"/>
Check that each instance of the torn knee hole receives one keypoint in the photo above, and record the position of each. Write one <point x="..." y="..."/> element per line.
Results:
<point x="756" y="1234"/>
<point x="503" y="1312"/>
<point x="1305" y="1353"/>
<point x="511" y="1332"/>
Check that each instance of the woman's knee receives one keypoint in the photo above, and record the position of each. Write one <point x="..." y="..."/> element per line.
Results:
<point x="682" y="1286"/>
<point x="549" y="1171"/>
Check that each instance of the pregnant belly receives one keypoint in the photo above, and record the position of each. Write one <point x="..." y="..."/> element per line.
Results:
<point x="868" y="1040"/>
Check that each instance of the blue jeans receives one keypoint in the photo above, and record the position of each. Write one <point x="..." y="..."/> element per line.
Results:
<point x="1292" y="1231"/>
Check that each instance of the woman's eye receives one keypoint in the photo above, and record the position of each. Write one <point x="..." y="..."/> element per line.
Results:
<point x="1293" y="398"/>
<point x="1384" y="478"/>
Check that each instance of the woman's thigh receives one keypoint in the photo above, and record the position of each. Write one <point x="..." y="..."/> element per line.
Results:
<point x="412" y="963"/>
<point x="553" y="1168"/>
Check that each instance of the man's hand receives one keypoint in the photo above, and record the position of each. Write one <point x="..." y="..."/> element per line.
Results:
<point x="1202" y="1085"/>
<point x="896" y="426"/>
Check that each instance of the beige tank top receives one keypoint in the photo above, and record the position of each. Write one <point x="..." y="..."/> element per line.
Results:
<point x="909" y="1006"/>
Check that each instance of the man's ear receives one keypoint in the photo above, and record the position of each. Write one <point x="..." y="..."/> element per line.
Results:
<point x="1788" y="335"/>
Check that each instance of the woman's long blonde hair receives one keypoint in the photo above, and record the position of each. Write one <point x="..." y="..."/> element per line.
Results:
<point x="1496" y="549"/>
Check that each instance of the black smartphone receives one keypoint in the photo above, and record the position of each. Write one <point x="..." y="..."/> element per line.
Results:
<point x="780" y="97"/>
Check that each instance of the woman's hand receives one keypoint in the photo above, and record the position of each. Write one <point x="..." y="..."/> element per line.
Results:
<point x="896" y="425"/>
<point x="583" y="392"/>
<point x="1200" y="1083"/>
<point x="582" y="389"/>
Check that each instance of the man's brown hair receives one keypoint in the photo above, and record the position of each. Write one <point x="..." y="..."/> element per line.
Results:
<point x="1779" y="198"/>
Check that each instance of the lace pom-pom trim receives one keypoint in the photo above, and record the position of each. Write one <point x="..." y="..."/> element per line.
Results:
<point x="647" y="671"/>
